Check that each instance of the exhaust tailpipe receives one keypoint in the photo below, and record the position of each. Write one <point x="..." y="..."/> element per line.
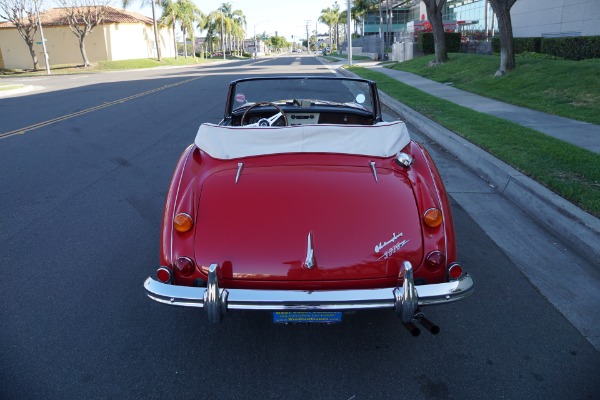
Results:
<point x="427" y="324"/>
<point x="412" y="328"/>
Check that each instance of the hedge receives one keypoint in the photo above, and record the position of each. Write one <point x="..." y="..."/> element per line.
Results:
<point x="427" y="45"/>
<point x="572" y="48"/>
<point x="569" y="48"/>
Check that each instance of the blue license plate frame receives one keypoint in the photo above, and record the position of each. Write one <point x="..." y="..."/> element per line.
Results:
<point x="307" y="317"/>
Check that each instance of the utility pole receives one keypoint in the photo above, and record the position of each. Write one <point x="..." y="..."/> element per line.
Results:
<point x="222" y="42"/>
<point x="349" y="33"/>
<point x="307" y="37"/>
<point x="37" y="11"/>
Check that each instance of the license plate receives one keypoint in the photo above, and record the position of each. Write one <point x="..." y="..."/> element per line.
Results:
<point x="307" y="317"/>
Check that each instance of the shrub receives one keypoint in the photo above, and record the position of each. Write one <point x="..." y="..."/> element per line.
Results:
<point x="496" y="45"/>
<point x="530" y="54"/>
<point x="453" y="42"/>
<point x="572" y="48"/>
<point x="427" y="44"/>
<point x="521" y="44"/>
<point x="527" y="44"/>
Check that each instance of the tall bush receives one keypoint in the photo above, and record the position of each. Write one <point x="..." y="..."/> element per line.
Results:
<point x="572" y="48"/>
<point x="527" y="44"/>
<point x="427" y="45"/>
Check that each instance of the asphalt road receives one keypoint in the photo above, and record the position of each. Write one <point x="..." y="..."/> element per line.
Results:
<point x="81" y="201"/>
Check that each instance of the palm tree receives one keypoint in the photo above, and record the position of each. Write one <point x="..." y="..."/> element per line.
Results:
<point x="328" y="17"/>
<point x="126" y="3"/>
<point x="229" y="23"/>
<point x="169" y="18"/>
<point x="238" y="25"/>
<point x="186" y="13"/>
<point x="190" y="14"/>
<point x="360" y="9"/>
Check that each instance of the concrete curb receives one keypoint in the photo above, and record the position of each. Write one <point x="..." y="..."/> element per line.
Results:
<point x="576" y="227"/>
<point x="24" y="89"/>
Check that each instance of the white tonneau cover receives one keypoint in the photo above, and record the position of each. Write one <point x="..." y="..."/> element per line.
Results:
<point x="385" y="139"/>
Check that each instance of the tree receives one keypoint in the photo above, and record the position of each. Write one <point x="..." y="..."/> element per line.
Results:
<point x="83" y="16"/>
<point x="188" y="15"/>
<point x="234" y="23"/>
<point x="126" y="3"/>
<point x="278" y="42"/>
<point x="22" y="14"/>
<point x="507" y="49"/>
<point x="169" y="18"/>
<point x="360" y="9"/>
<point x="227" y="23"/>
<point x="329" y="17"/>
<point x="434" y="15"/>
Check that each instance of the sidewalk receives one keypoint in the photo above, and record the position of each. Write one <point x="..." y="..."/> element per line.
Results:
<point x="582" y="134"/>
<point x="579" y="229"/>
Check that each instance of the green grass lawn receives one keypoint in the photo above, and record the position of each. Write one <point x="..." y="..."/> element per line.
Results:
<point x="568" y="170"/>
<point x="10" y="87"/>
<point x="104" y="66"/>
<point x="341" y="57"/>
<point x="567" y="88"/>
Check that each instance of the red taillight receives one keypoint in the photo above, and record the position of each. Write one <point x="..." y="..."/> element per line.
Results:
<point x="435" y="260"/>
<point x="184" y="265"/>
<point x="455" y="271"/>
<point x="164" y="275"/>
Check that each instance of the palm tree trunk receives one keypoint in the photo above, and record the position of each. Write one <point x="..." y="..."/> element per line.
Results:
<point x="155" y="30"/>
<point x="174" y="38"/>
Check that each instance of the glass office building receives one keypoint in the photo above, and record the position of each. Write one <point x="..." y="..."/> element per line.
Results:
<point x="471" y="15"/>
<point x="476" y="19"/>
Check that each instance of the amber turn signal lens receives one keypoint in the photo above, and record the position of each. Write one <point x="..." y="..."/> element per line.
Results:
<point x="433" y="217"/>
<point x="183" y="222"/>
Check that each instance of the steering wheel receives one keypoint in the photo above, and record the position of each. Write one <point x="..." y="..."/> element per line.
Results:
<point x="265" y="121"/>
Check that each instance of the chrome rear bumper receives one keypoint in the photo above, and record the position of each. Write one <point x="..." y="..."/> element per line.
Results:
<point x="215" y="301"/>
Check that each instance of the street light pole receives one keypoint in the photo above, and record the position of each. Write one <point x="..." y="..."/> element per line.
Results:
<point x="307" y="38"/>
<point x="255" y="50"/>
<point x="37" y="11"/>
<point x="349" y="33"/>
<point x="256" y="41"/>
<point x="222" y="42"/>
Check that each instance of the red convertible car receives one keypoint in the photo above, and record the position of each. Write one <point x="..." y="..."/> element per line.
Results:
<point x="304" y="203"/>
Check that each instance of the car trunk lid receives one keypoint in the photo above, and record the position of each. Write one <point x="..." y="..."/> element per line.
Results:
<point x="263" y="224"/>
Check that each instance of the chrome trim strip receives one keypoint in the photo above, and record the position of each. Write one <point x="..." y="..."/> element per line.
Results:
<point x="176" y="199"/>
<point x="300" y="300"/>
<point x="309" y="261"/>
<point x="374" y="171"/>
<point x="239" y="172"/>
<point x="438" y="194"/>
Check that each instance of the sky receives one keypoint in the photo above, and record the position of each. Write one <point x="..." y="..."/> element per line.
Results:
<point x="284" y="17"/>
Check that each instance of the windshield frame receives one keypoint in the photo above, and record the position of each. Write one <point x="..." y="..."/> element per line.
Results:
<point x="230" y="105"/>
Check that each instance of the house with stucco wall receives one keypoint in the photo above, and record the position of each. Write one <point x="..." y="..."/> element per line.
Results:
<point x="123" y="35"/>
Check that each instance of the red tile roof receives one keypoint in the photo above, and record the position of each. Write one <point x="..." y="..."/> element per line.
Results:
<point x="56" y="17"/>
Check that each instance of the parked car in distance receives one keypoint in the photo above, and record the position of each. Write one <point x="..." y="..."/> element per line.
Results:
<point x="303" y="203"/>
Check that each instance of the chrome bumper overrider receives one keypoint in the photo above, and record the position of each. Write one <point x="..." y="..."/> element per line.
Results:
<point x="404" y="300"/>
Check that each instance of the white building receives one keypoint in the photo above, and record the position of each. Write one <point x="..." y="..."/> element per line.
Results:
<point x="123" y="35"/>
<point x="534" y="18"/>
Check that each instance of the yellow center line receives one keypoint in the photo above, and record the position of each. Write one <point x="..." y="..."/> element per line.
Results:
<point x="21" y="131"/>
